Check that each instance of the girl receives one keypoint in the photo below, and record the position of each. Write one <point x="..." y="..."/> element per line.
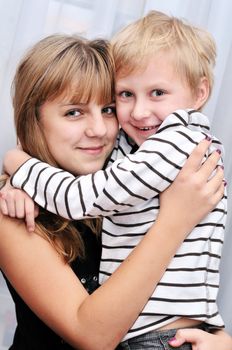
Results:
<point x="64" y="115"/>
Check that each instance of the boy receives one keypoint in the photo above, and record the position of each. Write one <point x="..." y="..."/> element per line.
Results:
<point x="170" y="69"/>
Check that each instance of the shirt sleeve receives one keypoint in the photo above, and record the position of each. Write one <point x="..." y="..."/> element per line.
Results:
<point x="135" y="178"/>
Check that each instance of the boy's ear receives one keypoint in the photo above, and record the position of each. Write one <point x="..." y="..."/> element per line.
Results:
<point x="202" y="93"/>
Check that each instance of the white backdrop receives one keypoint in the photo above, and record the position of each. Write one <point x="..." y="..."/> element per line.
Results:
<point x="22" y="22"/>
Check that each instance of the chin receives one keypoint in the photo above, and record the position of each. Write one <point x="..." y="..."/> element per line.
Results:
<point x="94" y="169"/>
<point x="138" y="141"/>
<point x="91" y="169"/>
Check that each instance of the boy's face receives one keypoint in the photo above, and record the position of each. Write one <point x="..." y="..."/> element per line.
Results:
<point x="145" y="98"/>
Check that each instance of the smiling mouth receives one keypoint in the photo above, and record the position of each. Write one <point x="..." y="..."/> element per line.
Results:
<point x="92" y="150"/>
<point x="147" y="128"/>
<point x="91" y="147"/>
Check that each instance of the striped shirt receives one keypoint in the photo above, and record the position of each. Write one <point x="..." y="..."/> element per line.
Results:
<point x="126" y="193"/>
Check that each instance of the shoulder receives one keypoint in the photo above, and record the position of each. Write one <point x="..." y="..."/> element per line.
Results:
<point x="14" y="235"/>
<point x="12" y="232"/>
<point x="7" y="223"/>
<point x="11" y="238"/>
<point x="21" y="250"/>
<point x="15" y="238"/>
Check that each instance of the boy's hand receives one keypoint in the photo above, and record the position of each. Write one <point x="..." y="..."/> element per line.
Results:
<point x="13" y="159"/>
<point x="17" y="204"/>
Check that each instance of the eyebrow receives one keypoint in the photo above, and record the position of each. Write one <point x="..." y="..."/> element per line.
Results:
<point x="121" y="86"/>
<point x="66" y="104"/>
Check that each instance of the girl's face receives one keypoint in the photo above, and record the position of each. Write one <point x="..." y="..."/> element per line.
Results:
<point x="79" y="137"/>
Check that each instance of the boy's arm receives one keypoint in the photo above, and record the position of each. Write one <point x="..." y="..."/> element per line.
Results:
<point x="13" y="159"/>
<point x="127" y="182"/>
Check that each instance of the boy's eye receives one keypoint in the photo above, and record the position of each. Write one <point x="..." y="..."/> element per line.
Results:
<point x="73" y="113"/>
<point x="109" y="110"/>
<point x="157" y="93"/>
<point x="125" y="94"/>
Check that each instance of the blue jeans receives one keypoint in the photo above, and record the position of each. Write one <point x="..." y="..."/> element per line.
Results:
<point x="155" y="340"/>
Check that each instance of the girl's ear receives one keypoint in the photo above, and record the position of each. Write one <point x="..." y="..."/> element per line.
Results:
<point x="202" y="93"/>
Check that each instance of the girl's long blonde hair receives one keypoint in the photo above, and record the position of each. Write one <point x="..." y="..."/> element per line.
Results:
<point x="57" y="65"/>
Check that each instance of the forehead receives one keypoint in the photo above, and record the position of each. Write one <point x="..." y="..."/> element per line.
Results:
<point x="83" y="92"/>
<point x="159" y="68"/>
<point x="79" y="82"/>
<point x="152" y="61"/>
<point x="153" y="68"/>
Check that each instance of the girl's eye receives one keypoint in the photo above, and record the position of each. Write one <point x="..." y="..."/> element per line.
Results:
<point x="73" y="113"/>
<point x="157" y="93"/>
<point x="109" y="110"/>
<point x="125" y="94"/>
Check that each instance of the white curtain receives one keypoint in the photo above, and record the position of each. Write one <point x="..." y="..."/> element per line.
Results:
<point x="22" y="22"/>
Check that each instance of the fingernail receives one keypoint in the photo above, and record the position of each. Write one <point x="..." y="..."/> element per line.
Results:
<point x="218" y="151"/>
<point x="225" y="183"/>
<point x="172" y="340"/>
<point x="208" y="138"/>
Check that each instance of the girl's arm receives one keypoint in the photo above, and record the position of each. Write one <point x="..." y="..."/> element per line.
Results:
<point x="201" y="340"/>
<point x="54" y="293"/>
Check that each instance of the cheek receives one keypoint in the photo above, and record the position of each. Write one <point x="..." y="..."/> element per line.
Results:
<point x="68" y="132"/>
<point x="165" y="109"/>
<point x="60" y="140"/>
<point x="123" y="113"/>
<point x="56" y="138"/>
<point x="113" y="128"/>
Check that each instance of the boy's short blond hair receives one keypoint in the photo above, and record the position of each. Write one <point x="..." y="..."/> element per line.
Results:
<point x="193" y="49"/>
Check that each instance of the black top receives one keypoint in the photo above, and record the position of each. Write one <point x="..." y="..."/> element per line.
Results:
<point x="31" y="333"/>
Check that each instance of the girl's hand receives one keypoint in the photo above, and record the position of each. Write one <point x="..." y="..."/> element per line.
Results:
<point x="202" y="340"/>
<point x="192" y="195"/>
<point x="17" y="204"/>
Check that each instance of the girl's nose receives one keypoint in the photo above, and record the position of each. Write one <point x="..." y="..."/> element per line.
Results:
<point x="96" y="126"/>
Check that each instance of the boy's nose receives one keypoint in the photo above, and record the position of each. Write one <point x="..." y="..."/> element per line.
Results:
<point x="140" y="111"/>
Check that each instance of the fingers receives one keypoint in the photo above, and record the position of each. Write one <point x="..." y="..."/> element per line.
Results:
<point x="214" y="188"/>
<point x="210" y="165"/>
<point x="218" y="195"/>
<point x="3" y="206"/>
<point x="195" y="159"/>
<point x="17" y="204"/>
<point x="187" y="335"/>
<point x="36" y="211"/>
<point x="204" y="171"/>
<point x="202" y="340"/>
<point x="8" y="205"/>
<point x="30" y="215"/>
<point x="19" y="207"/>
<point x="216" y="181"/>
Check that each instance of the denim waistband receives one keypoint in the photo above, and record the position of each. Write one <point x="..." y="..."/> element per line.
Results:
<point x="157" y="339"/>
